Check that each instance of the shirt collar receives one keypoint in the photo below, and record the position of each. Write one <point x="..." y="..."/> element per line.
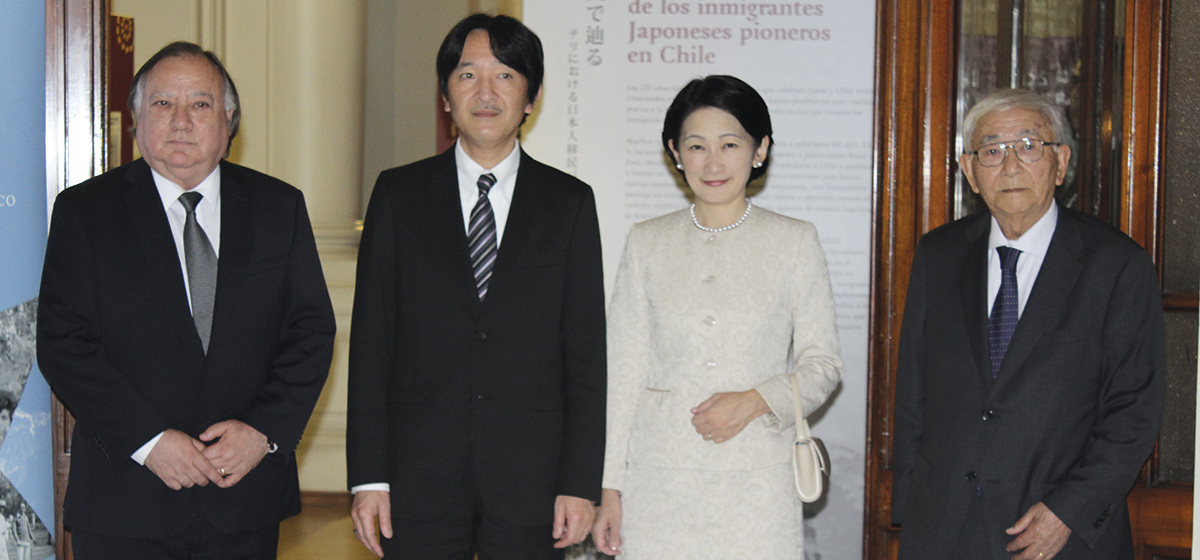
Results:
<point x="503" y="170"/>
<point x="169" y="190"/>
<point x="1035" y="240"/>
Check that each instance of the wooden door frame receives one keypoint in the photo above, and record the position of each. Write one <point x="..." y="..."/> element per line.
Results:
<point x="1143" y="124"/>
<point x="916" y="65"/>
<point x="1161" y="514"/>
<point x="75" y="151"/>
<point x="913" y="176"/>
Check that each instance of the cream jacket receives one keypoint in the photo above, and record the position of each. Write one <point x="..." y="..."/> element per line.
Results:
<point x="695" y="313"/>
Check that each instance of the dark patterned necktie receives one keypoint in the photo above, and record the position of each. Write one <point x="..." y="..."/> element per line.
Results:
<point x="481" y="235"/>
<point x="1003" y="320"/>
<point x="201" y="268"/>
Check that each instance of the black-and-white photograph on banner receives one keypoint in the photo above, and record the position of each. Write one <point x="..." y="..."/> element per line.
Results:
<point x="23" y="535"/>
<point x="613" y="68"/>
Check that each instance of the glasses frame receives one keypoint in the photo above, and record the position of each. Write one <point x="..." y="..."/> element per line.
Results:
<point x="1010" y="146"/>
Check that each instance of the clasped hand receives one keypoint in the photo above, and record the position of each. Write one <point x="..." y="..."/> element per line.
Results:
<point x="225" y="453"/>
<point x="724" y="415"/>
<point x="1040" y="534"/>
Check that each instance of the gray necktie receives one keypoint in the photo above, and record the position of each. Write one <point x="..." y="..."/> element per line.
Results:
<point x="481" y="235"/>
<point x="201" y="268"/>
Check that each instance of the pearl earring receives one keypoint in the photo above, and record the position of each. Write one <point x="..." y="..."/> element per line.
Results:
<point x="757" y="164"/>
<point x="679" y="166"/>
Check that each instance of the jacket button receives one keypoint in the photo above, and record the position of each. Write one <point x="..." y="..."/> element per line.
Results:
<point x="971" y="475"/>
<point x="987" y="415"/>
<point x="480" y="336"/>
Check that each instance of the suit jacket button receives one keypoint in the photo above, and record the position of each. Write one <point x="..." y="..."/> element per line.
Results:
<point x="987" y="415"/>
<point x="480" y="336"/>
<point x="971" y="475"/>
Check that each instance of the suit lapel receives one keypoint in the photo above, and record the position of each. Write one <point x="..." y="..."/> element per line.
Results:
<point x="149" y="222"/>
<point x="237" y="237"/>
<point x="974" y="294"/>
<point x="1060" y="270"/>
<point x="522" y="219"/>
<point x="441" y="212"/>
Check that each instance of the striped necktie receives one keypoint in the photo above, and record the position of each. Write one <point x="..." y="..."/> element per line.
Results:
<point x="481" y="235"/>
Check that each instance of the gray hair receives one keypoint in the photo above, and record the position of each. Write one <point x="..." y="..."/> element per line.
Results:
<point x="1006" y="99"/>
<point x="183" y="49"/>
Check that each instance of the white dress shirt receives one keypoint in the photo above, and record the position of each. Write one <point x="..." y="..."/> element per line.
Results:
<point x="208" y="215"/>
<point x="1032" y="244"/>
<point x="500" y="196"/>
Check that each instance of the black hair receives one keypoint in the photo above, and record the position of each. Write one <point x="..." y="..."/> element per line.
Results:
<point x="728" y="94"/>
<point x="184" y="49"/>
<point x="512" y="44"/>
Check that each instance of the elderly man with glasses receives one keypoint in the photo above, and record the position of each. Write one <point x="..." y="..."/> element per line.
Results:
<point x="1029" y="384"/>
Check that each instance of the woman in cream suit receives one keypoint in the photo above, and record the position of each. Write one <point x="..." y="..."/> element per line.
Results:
<point x="716" y="309"/>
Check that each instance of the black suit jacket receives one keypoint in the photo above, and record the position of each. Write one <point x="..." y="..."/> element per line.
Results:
<point x="513" y="386"/>
<point x="118" y="345"/>
<point x="1072" y="414"/>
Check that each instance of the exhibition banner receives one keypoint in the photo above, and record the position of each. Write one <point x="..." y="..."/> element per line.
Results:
<point x="26" y="483"/>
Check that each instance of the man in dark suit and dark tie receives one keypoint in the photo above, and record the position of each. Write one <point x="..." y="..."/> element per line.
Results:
<point x="184" y="320"/>
<point x="1029" y="385"/>
<point x="477" y="355"/>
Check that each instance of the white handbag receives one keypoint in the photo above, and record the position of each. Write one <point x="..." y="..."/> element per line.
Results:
<point x="810" y="460"/>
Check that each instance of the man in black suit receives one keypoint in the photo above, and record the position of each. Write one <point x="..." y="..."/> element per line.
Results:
<point x="1020" y="431"/>
<point x="191" y="382"/>
<point x="477" y="355"/>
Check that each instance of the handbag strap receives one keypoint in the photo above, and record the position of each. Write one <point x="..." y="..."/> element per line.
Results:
<point x="802" y="431"/>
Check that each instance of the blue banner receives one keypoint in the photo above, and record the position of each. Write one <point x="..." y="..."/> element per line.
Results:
<point x="26" y="470"/>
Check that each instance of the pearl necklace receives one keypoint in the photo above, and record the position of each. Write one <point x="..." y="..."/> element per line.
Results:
<point x="696" y="222"/>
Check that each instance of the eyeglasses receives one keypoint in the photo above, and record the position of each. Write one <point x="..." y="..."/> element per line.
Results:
<point x="1026" y="149"/>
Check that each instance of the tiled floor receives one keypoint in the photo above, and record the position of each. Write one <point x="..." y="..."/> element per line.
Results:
<point x="322" y="532"/>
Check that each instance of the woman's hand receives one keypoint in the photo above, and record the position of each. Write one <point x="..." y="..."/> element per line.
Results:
<point x="606" y="533"/>
<point x="724" y="415"/>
